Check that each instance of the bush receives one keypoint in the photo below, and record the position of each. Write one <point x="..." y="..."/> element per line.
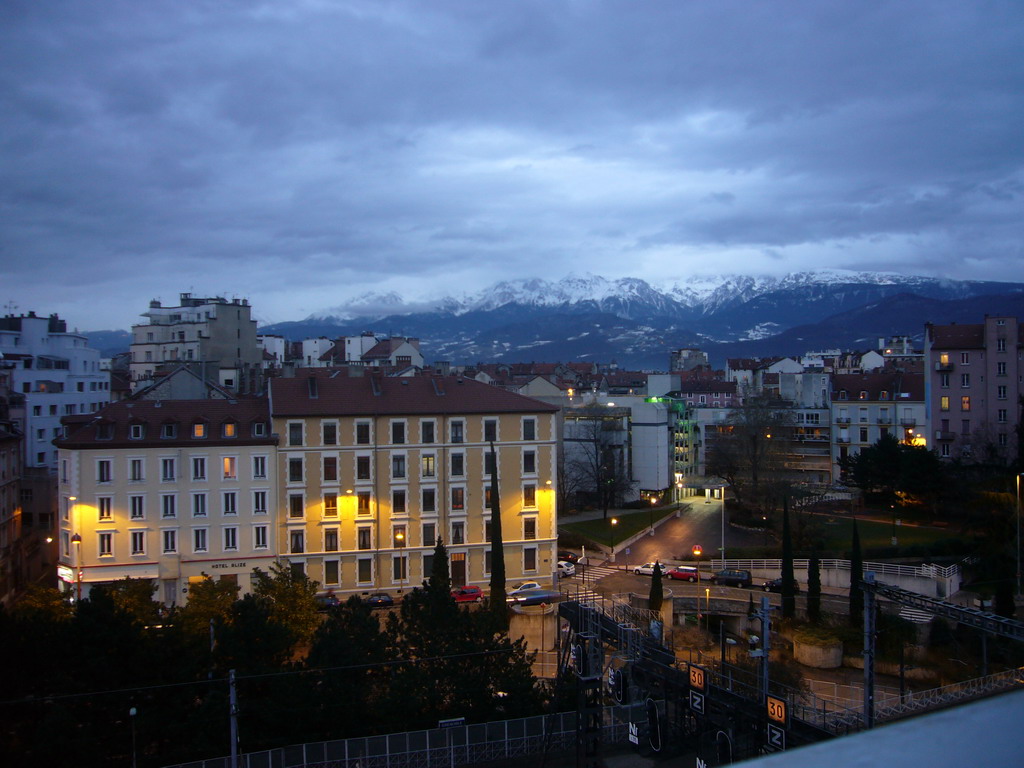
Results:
<point x="819" y="637"/>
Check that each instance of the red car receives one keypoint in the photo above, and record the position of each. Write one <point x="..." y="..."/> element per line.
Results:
<point x="684" y="573"/>
<point x="467" y="594"/>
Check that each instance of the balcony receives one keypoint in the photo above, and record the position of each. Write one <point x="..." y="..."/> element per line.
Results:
<point x="943" y="367"/>
<point x="911" y="422"/>
<point x="842" y="440"/>
<point x="842" y="420"/>
<point x="940" y="435"/>
<point x="884" y="420"/>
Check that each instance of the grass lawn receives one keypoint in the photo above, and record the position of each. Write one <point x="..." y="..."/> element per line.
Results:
<point x="877" y="534"/>
<point x="603" y="532"/>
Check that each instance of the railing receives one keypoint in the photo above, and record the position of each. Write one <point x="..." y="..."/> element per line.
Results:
<point x="943" y="367"/>
<point x="935" y="698"/>
<point x="908" y="422"/>
<point x="843" y="420"/>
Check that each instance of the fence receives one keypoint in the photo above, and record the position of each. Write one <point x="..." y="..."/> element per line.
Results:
<point x="434" y="748"/>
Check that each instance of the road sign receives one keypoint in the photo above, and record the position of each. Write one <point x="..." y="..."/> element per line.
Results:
<point x="697" y="677"/>
<point x="778" y="711"/>
<point x="776" y="737"/>
<point x="697" y="702"/>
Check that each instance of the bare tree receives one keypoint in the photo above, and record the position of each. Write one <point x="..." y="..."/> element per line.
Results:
<point x="597" y="453"/>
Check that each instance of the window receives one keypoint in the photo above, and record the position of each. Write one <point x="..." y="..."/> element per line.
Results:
<point x="198" y="430"/>
<point x="429" y="535"/>
<point x="296" y="505"/>
<point x="332" y="572"/>
<point x="167" y="470"/>
<point x="230" y="538"/>
<point x="259" y="467"/>
<point x="362" y="433"/>
<point x="330" y="473"/>
<point x="427" y="432"/>
<point x="363" y="503"/>
<point x="458" y="532"/>
<point x="229" y="503"/>
<point x="198" y="505"/>
<point x="1001" y="392"/>
<point x="1000" y="345"/>
<point x="259" y="429"/>
<point x="398" y="432"/>
<point x="364" y="538"/>
<point x="259" y="537"/>
<point x="297" y="542"/>
<point x="863" y="434"/>
<point x="364" y="570"/>
<point x="331" y="540"/>
<point x="944" y="380"/>
<point x="427" y="465"/>
<point x="136" y="470"/>
<point x="487" y="530"/>
<point x="944" y="403"/>
<point x="965" y="426"/>
<point x="136" y="431"/>
<point x="169" y="505"/>
<point x="398" y="536"/>
<point x="103" y="471"/>
<point x="199" y="539"/>
<point x="105" y="505"/>
<point x="330" y="505"/>
<point x="530" y="528"/>
<point x="1000" y="369"/>
<point x="965" y="403"/>
<point x="488" y="463"/>
<point x="487" y="497"/>
<point x="400" y="567"/>
<point x="458" y="465"/>
<point x="529" y="559"/>
<point x="330" y="433"/>
<point x="198" y="468"/>
<point x="965" y="379"/>
<point x="1001" y="416"/>
<point x="229" y="429"/>
<point x="490" y="430"/>
<point x="428" y="500"/>
<point x="168" y="431"/>
<point x="529" y="462"/>
<point x="170" y="541"/>
<point x="458" y="431"/>
<point x="428" y="563"/>
<point x="106" y="544"/>
<point x="530" y="495"/>
<point x="259" y="502"/>
<point x="137" y="504"/>
<point x="295" y="433"/>
<point x="229" y="466"/>
<point x="529" y="429"/>
<point x="295" y="470"/>
<point x="398" y="467"/>
<point x="458" y="499"/>
<point x="362" y="467"/>
<point x="398" y="502"/>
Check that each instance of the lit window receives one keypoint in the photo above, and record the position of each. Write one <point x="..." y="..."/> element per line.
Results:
<point x="198" y="431"/>
<point x="229" y="429"/>
<point x="330" y="504"/>
<point x="230" y="466"/>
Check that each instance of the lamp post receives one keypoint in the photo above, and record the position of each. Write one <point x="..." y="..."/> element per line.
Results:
<point x="707" y="607"/>
<point x="611" y="537"/>
<point x="697" y="551"/>
<point x="893" y="540"/>
<point x="721" y="491"/>
<point x="650" y="512"/>
<point x="1019" y="476"/>
<point x="76" y="540"/>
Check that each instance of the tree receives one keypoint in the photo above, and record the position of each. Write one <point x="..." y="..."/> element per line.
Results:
<point x="290" y="596"/>
<point x="856" y="576"/>
<point x="41" y="603"/>
<point x="657" y="596"/>
<point x="814" y="588"/>
<point x="595" y="444"/>
<point x="497" y="603"/>
<point x="788" y="581"/>
<point x="891" y="470"/>
<point x="208" y="600"/>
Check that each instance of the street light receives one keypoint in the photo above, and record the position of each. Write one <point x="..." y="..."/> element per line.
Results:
<point x="1019" y="476"/>
<point x="697" y="551"/>
<point x="611" y="537"/>
<point x="77" y="541"/>
<point x="707" y="608"/>
<point x="654" y="500"/>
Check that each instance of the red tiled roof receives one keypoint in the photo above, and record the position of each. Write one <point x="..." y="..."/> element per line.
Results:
<point x="958" y="336"/>
<point x="380" y="395"/>
<point x="894" y="383"/>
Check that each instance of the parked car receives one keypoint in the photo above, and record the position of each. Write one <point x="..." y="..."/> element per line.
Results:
<point x="379" y="600"/>
<point x="467" y="594"/>
<point x="326" y="602"/>
<point x="569" y="557"/>
<point x="524" y="586"/>
<point x="534" y="596"/>
<point x="775" y="585"/>
<point x="565" y="568"/>
<point x="647" y="569"/>
<point x="731" y="578"/>
<point x="684" y="573"/>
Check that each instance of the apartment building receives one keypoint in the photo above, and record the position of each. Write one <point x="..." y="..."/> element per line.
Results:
<point x="12" y="561"/>
<point x="58" y="375"/>
<point x="974" y="383"/>
<point x="217" y="334"/>
<point x="868" y="406"/>
<point x="373" y="470"/>
<point x="167" y="490"/>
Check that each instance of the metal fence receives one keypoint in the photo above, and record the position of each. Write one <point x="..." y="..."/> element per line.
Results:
<point x="434" y="748"/>
<point x="936" y="698"/>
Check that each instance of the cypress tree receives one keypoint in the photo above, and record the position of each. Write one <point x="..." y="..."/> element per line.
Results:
<point x="657" y="596"/>
<point x="814" y="588"/>
<point x="498" y="603"/>
<point x="788" y="581"/>
<point x="856" y="576"/>
<point x="439" y="584"/>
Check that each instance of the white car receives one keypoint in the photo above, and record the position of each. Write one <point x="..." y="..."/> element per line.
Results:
<point x="565" y="568"/>
<point x="647" y="569"/>
<point x="523" y="587"/>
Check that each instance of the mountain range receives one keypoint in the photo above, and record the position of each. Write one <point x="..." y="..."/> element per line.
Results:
<point x="636" y="324"/>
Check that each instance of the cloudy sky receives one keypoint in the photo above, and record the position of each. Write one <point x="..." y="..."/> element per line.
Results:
<point x="302" y="152"/>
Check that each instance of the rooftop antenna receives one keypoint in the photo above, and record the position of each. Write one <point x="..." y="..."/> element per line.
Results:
<point x="10" y="306"/>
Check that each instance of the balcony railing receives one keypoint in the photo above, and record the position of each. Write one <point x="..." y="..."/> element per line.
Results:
<point x="943" y="367"/>
<point x="908" y="422"/>
<point x="842" y="420"/>
<point x="842" y="439"/>
<point x="940" y="435"/>
<point x="884" y="419"/>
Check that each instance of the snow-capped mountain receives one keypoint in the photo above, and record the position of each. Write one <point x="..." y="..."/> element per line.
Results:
<point x="587" y="316"/>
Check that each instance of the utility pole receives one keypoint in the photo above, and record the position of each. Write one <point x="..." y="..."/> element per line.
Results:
<point x="869" y="650"/>
<point x="233" y="709"/>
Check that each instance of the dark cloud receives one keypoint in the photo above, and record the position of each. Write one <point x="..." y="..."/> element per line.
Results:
<point x="300" y="152"/>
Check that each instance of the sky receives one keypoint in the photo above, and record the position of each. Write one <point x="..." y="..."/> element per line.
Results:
<point x="303" y="153"/>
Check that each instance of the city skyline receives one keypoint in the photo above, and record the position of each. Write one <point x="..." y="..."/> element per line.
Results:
<point x="301" y="154"/>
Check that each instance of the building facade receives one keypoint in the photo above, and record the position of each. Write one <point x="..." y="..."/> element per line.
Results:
<point x="373" y="470"/>
<point x="974" y="387"/>
<point x="167" y="490"/>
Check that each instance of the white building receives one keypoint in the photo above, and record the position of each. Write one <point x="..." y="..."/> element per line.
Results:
<point x="58" y="374"/>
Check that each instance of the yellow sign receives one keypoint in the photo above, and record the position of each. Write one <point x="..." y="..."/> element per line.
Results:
<point x="777" y="710"/>
<point x="696" y="677"/>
